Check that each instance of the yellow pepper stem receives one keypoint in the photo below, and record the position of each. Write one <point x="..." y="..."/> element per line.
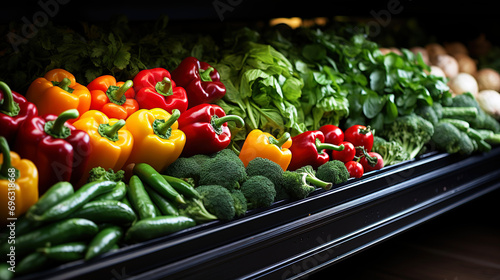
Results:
<point x="6" y="168"/>
<point x="163" y="128"/>
<point x="280" y="141"/>
<point x="8" y="106"/>
<point x="111" y="131"/>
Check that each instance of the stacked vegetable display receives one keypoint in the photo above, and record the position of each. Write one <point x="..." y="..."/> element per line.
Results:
<point x="273" y="117"/>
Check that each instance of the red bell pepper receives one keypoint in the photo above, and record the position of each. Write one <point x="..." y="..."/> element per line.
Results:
<point x="57" y="148"/>
<point x="308" y="149"/>
<point x="206" y="129"/>
<point x="201" y="81"/>
<point x="14" y="110"/>
<point x="155" y="88"/>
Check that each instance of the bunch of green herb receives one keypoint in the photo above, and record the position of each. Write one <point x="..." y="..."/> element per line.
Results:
<point x="323" y="99"/>
<point x="261" y="86"/>
<point x="381" y="87"/>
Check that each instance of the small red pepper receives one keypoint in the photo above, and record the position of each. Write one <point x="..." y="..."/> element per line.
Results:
<point x="155" y="88"/>
<point x="14" y="110"/>
<point x="201" y="81"/>
<point x="57" y="148"/>
<point x="308" y="149"/>
<point x="206" y="129"/>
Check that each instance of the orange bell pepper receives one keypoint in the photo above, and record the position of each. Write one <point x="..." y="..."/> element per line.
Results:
<point x="18" y="183"/>
<point x="158" y="141"/>
<point x="57" y="92"/>
<point x="264" y="145"/>
<point x="115" y="99"/>
<point x="110" y="141"/>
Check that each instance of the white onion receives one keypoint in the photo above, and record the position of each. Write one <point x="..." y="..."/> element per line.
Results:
<point x="489" y="101"/>
<point x="462" y="83"/>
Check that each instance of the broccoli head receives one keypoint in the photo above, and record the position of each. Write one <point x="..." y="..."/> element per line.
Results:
<point x="411" y="131"/>
<point x="450" y="139"/>
<point x="265" y="167"/>
<point x="224" y="171"/>
<point x="218" y="201"/>
<point x="391" y="151"/>
<point x="99" y="173"/>
<point x="187" y="167"/>
<point x="483" y="120"/>
<point x="333" y="171"/>
<point x="240" y="203"/>
<point x="259" y="192"/>
<point x="427" y="112"/>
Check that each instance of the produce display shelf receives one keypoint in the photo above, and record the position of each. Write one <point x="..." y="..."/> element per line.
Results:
<point x="292" y="239"/>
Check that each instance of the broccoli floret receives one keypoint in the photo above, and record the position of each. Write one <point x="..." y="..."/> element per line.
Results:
<point x="295" y="185"/>
<point x="467" y="146"/>
<point x="223" y="170"/>
<point x="259" y="192"/>
<point x="99" y="173"/>
<point x="218" y="201"/>
<point x="194" y="209"/>
<point x="427" y="112"/>
<point x="333" y="171"/>
<point x="311" y="177"/>
<point x="447" y="138"/>
<point x="411" y="131"/>
<point x="265" y="167"/>
<point x="187" y="167"/>
<point x="240" y="203"/>
<point x="391" y="151"/>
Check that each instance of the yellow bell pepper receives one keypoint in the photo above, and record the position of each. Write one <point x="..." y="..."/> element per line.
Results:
<point x="57" y="92"/>
<point x="110" y="141"/>
<point x="158" y="141"/>
<point x="18" y="183"/>
<point x="264" y="145"/>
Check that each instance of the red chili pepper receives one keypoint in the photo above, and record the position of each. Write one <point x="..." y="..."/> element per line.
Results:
<point x="206" y="129"/>
<point x="308" y="149"/>
<point x="57" y="148"/>
<point x="201" y="81"/>
<point x="155" y="88"/>
<point x="14" y="110"/>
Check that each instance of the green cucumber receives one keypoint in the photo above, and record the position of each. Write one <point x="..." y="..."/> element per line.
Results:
<point x="165" y="207"/>
<point x="151" y="228"/>
<point x="74" y="202"/>
<point x="118" y="193"/>
<point x="66" y="252"/>
<point x="182" y="187"/>
<point x="104" y="241"/>
<point x="155" y="180"/>
<point x="55" y="194"/>
<point x="139" y="198"/>
<point x="106" y="211"/>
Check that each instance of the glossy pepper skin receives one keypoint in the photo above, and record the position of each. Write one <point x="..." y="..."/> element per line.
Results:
<point x="18" y="183"/>
<point x="264" y="145"/>
<point x="58" y="149"/>
<point x="110" y="141"/>
<point x="58" y="91"/>
<point x="115" y="99"/>
<point x="157" y="139"/>
<point x="308" y="149"/>
<point x="14" y="110"/>
<point x="206" y="129"/>
<point x="155" y="88"/>
<point x="201" y="81"/>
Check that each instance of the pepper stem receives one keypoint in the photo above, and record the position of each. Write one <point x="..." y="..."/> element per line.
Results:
<point x="164" y="87"/>
<point x="6" y="168"/>
<point x="117" y="94"/>
<point x="217" y="122"/>
<point x="8" y="106"/>
<point x="280" y="141"/>
<point x="111" y="131"/>
<point x="56" y="128"/>
<point x="163" y="128"/>
<point x="205" y="74"/>
<point x="320" y="146"/>
<point x="64" y="84"/>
